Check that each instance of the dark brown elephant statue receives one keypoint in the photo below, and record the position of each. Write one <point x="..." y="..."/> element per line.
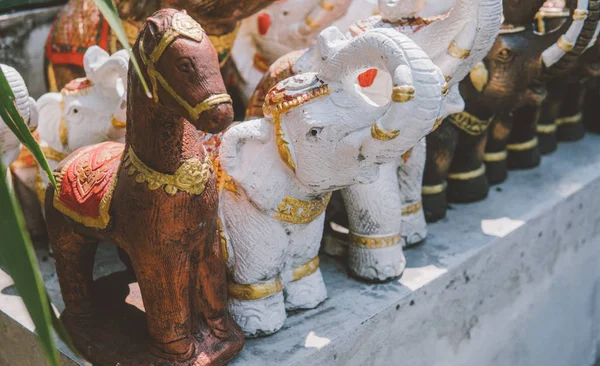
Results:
<point x="468" y="151"/>
<point x="80" y="25"/>
<point x="561" y="116"/>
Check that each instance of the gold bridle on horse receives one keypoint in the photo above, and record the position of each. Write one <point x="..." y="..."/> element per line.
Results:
<point x="182" y="25"/>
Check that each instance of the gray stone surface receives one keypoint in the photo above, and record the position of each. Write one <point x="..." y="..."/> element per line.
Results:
<point x="22" y="38"/>
<point x="525" y="293"/>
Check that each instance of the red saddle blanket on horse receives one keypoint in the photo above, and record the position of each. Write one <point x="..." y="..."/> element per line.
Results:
<point x="86" y="182"/>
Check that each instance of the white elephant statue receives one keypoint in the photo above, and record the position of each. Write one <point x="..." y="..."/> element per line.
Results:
<point x="9" y="143"/>
<point x="455" y="41"/>
<point x="320" y="133"/>
<point x="87" y="111"/>
<point x="286" y="26"/>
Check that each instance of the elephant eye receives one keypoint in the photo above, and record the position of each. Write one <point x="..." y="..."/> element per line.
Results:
<point x="505" y="54"/>
<point x="185" y="66"/>
<point x="75" y="110"/>
<point x="314" y="132"/>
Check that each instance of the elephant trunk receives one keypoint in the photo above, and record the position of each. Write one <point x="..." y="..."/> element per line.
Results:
<point x="580" y="35"/>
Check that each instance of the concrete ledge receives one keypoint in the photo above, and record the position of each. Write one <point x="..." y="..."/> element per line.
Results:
<point x="512" y="280"/>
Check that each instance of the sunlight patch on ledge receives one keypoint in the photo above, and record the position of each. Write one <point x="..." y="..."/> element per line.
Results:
<point x="417" y="277"/>
<point x="500" y="227"/>
<point x="314" y="341"/>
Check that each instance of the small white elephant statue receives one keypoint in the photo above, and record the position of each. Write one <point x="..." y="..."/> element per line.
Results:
<point x="455" y="41"/>
<point x="87" y="111"/>
<point x="9" y="143"/>
<point x="286" y="26"/>
<point x="320" y="133"/>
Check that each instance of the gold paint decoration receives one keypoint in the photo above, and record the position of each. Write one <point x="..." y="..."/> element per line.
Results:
<point x="373" y="242"/>
<point x="52" y="154"/>
<point x="564" y="44"/>
<point x="437" y="124"/>
<point x="224" y="43"/>
<point x="457" y="51"/>
<point x="327" y="6"/>
<point x="492" y="157"/>
<point x="308" y="20"/>
<point x="412" y="208"/>
<point x="191" y="177"/>
<point x="116" y="123"/>
<point x="404" y="93"/>
<point x="569" y="120"/>
<point x="435" y="189"/>
<point x="468" y="175"/>
<point x="545" y="129"/>
<point x="306" y="269"/>
<point x="255" y="291"/>
<point x="523" y="146"/>
<point x="580" y="14"/>
<point x="469" y="123"/>
<point x="380" y="134"/>
<point x="295" y="211"/>
<point x="509" y="29"/>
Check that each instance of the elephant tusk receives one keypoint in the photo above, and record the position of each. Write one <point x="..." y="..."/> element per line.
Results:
<point x="479" y="76"/>
<point x="457" y="51"/>
<point x="380" y="134"/>
<point x="401" y="94"/>
<point x="116" y="123"/>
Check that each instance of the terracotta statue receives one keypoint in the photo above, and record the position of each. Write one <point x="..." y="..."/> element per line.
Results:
<point x="9" y="143"/>
<point x="460" y="162"/>
<point x="455" y="42"/>
<point x="155" y="198"/>
<point x="318" y="135"/>
<point x="80" y="25"/>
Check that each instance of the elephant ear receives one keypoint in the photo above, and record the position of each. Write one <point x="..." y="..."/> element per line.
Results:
<point x="237" y="139"/>
<point x="50" y="116"/>
<point x="104" y="70"/>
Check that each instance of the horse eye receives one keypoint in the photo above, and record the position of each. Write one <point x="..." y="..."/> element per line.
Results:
<point x="185" y="66"/>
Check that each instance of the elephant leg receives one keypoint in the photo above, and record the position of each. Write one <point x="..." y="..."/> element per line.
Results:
<point x="304" y="285"/>
<point x="466" y="180"/>
<point x="164" y="280"/>
<point x="335" y="233"/>
<point x="592" y="107"/>
<point x="74" y="257"/>
<point x="546" y="126"/>
<point x="410" y="179"/>
<point x="570" y="125"/>
<point x="375" y="252"/>
<point x="523" y="152"/>
<point x="496" y="168"/>
<point x="441" y="146"/>
<point x="256" y="250"/>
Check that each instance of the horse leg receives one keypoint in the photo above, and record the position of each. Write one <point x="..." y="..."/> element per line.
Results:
<point x="374" y="211"/>
<point x="74" y="257"/>
<point x="164" y="280"/>
<point x="210" y="286"/>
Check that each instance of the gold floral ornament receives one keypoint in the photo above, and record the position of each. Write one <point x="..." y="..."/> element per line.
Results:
<point x="224" y="44"/>
<point x="191" y="177"/>
<point x="296" y="211"/>
<point x="469" y="123"/>
<point x="285" y="96"/>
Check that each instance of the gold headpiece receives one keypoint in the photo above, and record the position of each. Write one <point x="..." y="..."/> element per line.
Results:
<point x="286" y="95"/>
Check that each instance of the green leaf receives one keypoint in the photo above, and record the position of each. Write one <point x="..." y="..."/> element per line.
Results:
<point x="21" y="264"/>
<point x="9" y="113"/>
<point x="109" y="11"/>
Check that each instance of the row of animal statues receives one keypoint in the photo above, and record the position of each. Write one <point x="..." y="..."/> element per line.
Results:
<point x="403" y="107"/>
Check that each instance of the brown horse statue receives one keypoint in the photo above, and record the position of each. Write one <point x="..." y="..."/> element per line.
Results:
<point x="155" y="198"/>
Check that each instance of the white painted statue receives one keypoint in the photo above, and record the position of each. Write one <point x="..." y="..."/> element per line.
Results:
<point x="87" y="111"/>
<point x="286" y="26"/>
<point x="320" y="133"/>
<point x="455" y="42"/>
<point x="10" y="144"/>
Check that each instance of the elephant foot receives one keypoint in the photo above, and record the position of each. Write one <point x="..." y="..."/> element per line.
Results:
<point x="435" y="204"/>
<point x="414" y="226"/>
<point x="260" y="317"/>
<point x="306" y="292"/>
<point x="524" y="159"/>
<point x="468" y="189"/>
<point x="335" y="240"/>
<point x="547" y="140"/>
<point x="569" y="132"/>
<point x="377" y="261"/>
